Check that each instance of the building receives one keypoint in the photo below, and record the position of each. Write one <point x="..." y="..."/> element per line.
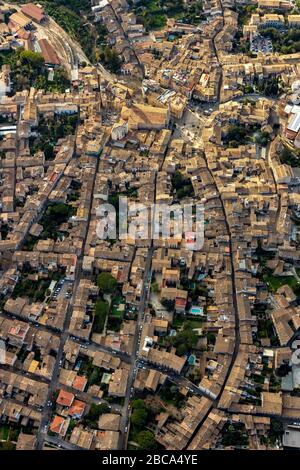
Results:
<point x="118" y="384"/>
<point x="34" y="12"/>
<point x="119" y="130"/>
<point x="291" y="437"/>
<point x="48" y="53"/>
<point x="76" y="410"/>
<point x="274" y="5"/>
<point x="144" y="117"/>
<point x="293" y="21"/>
<point x="20" y="20"/>
<point x="109" y="422"/>
<point x="65" y="398"/>
<point x="26" y="442"/>
<point x="59" y="425"/>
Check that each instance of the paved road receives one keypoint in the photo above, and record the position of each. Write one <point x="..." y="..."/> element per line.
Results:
<point x="176" y="378"/>
<point x="29" y="375"/>
<point x="235" y="307"/>
<point x="86" y="397"/>
<point x="124" y="356"/>
<point x="61" y="443"/>
<point x="143" y="303"/>
<point x="46" y="414"/>
<point x="128" y="41"/>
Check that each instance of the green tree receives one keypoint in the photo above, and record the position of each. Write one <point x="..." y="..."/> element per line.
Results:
<point x="33" y="59"/>
<point x="95" y="411"/>
<point x="138" y="404"/>
<point x="139" y="414"/>
<point x="139" y="417"/>
<point x="169" y="304"/>
<point x="155" y="288"/>
<point x="101" y="312"/>
<point x="146" y="440"/>
<point x="106" y="283"/>
<point x="110" y="59"/>
<point x="182" y="185"/>
<point x="185" y="340"/>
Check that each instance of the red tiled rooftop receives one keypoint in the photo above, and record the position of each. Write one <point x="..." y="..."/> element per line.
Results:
<point x="77" y="408"/>
<point x="57" y="424"/>
<point x="65" y="398"/>
<point x="33" y="11"/>
<point x="48" y="52"/>
<point x="79" y="383"/>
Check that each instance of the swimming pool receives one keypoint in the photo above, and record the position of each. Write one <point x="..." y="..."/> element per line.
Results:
<point x="196" y="311"/>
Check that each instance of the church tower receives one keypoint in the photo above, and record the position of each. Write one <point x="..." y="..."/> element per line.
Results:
<point x="128" y="99"/>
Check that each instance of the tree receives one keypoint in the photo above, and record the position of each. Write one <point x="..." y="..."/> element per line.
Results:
<point x="288" y="157"/>
<point x="211" y="338"/>
<point x="138" y="404"/>
<point x="139" y="417"/>
<point x="249" y="89"/>
<point x="182" y="185"/>
<point x="177" y="180"/>
<point x="169" y="304"/>
<point x="146" y="440"/>
<point x="33" y="59"/>
<point x="106" y="283"/>
<point x="95" y="411"/>
<point x="234" y="435"/>
<point x="101" y="312"/>
<point x="139" y="414"/>
<point x="283" y="370"/>
<point x="110" y="59"/>
<point x="155" y="288"/>
<point x="7" y="446"/>
<point x="49" y="151"/>
<point x="276" y="426"/>
<point x="185" y="340"/>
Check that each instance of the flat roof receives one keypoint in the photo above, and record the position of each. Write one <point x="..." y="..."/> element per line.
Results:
<point x="294" y="124"/>
<point x="291" y="437"/>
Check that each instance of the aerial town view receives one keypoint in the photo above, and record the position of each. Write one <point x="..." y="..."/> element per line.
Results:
<point x="150" y="225"/>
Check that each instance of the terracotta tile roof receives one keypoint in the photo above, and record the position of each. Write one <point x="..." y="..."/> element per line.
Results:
<point x="33" y="11"/>
<point x="77" y="408"/>
<point x="79" y="383"/>
<point x="65" y="398"/>
<point x="57" y="424"/>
